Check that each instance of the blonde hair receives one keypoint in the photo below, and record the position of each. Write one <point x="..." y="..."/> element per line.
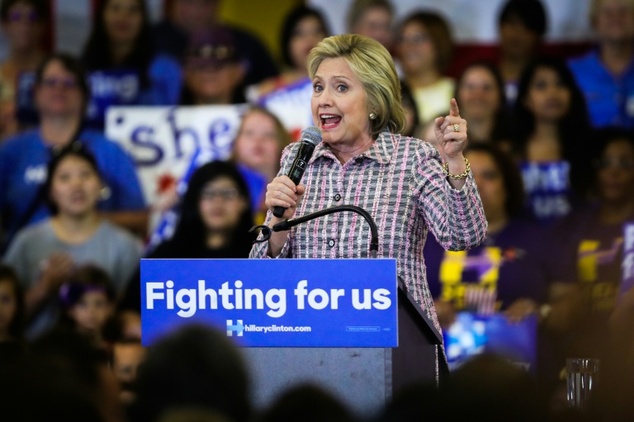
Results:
<point x="373" y="65"/>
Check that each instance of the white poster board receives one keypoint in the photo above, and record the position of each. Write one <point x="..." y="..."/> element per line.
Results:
<point x="164" y="140"/>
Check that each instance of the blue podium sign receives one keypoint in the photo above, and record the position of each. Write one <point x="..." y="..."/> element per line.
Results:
<point x="274" y="302"/>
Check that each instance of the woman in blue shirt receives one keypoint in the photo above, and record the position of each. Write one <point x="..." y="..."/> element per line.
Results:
<point x="124" y="68"/>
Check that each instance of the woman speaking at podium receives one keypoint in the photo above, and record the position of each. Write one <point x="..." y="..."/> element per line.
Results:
<point x="409" y="187"/>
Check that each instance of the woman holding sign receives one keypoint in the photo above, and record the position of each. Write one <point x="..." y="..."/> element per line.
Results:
<point x="409" y="186"/>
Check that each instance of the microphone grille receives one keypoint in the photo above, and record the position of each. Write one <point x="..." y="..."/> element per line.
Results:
<point x="311" y="135"/>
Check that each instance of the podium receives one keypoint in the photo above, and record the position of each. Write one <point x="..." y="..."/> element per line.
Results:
<point x="346" y="332"/>
<point x="364" y="379"/>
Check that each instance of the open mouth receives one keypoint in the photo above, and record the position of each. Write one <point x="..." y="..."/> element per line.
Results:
<point x="329" y="120"/>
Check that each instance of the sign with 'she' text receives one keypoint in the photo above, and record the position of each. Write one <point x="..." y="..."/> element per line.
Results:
<point x="163" y="140"/>
<point x="274" y="302"/>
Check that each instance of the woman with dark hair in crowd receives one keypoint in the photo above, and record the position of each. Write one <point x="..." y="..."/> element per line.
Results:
<point x="215" y="216"/>
<point x="302" y="29"/>
<point x="45" y="254"/>
<point x="480" y="93"/>
<point x="509" y="269"/>
<point x="551" y="138"/>
<point x="521" y="28"/>
<point x="24" y="25"/>
<point x="214" y="222"/>
<point x="124" y="68"/>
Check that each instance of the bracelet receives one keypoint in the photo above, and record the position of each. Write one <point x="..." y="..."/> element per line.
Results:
<point x="463" y="175"/>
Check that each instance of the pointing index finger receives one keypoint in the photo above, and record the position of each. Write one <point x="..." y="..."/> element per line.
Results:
<point x="453" y="108"/>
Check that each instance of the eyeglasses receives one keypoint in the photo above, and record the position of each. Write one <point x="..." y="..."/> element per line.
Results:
<point x="224" y="194"/>
<point x="21" y="16"/>
<point x="618" y="163"/>
<point x="64" y="83"/>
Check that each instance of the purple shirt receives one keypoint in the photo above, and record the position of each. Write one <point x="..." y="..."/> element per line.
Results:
<point x="400" y="182"/>
<point x="512" y="263"/>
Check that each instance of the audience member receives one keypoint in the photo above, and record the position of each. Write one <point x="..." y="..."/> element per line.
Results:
<point x="606" y="74"/>
<point x="45" y="253"/>
<point x="61" y="94"/>
<point x="592" y="239"/>
<point x="480" y="93"/>
<point x="551" y="138"/>
<point x="509" y="272"/>
<point x="288" y="95"/>
<point x="192" y="367"/>
<point x="38" y="388"/>
<point x="24" y="24"/>
<point x="215" y="217"/>
<point x="308" y="403"/>
<point x="213" y="70"/>
<point x="257" y="150"/>
<point x="127" y="356"/>
<point x="11" y="314"/>
<point x="373" y="19"/>
<point x="424" y="48"/>
<point x="88" y="301"/>
<point x="521" y="28"/>
<point x="186" y="17"/>
<point x="302" y="29"/>
<point x="490" y="388"/>
<point x="414" y="401"/>
<point x="78" y="365"/>
<point x="124" y="68"/>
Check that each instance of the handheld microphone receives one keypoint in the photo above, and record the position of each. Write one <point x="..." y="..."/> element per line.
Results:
<point x="310" y="138"/>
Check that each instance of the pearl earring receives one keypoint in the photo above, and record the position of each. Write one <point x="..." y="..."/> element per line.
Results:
<point x="372" y="116"/>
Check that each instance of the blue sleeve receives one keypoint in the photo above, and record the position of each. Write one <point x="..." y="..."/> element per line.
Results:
<point x="4" y="165"/>
<point x="119" y="173"/>
<point x="166" y="78"/>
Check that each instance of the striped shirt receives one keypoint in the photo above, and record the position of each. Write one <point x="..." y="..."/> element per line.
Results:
<point x="400" y="182"/>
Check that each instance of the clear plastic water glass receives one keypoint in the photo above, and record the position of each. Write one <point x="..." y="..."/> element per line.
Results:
<point x="583" y="376"/>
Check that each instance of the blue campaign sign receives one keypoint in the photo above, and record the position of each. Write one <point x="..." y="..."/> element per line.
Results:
<point x="473" y="334"/>
<point x="274" y="302"/>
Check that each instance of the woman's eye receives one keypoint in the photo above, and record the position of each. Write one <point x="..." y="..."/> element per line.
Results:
<point x="342" y="88"/>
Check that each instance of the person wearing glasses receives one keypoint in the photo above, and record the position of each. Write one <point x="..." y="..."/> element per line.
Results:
<point x="61" y="94"/>
<point x="215" y="216"/>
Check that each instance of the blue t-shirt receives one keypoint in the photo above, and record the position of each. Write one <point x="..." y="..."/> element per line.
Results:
<point x="548" y="190"/>
<point x="610" y="97"/>
<point x="24" y="160"/>
<point x="122" y="87"/>
<point x="513" y="263"/>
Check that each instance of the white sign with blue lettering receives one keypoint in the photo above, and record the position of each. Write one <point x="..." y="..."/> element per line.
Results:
<point x="274" y="302"/>
<point x="163" y="140"/>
